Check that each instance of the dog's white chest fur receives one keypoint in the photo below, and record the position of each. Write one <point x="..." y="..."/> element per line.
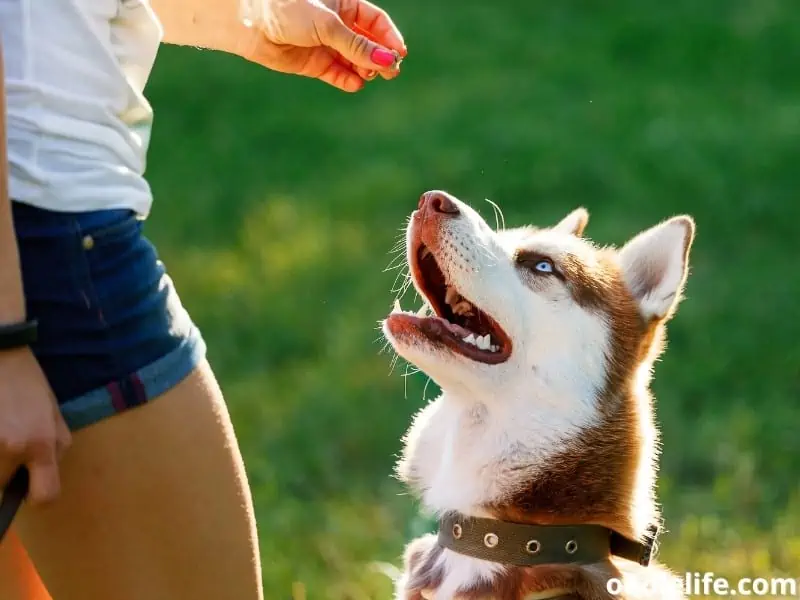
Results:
<point x="461" y="455"/>
<point x="451" y="455"/>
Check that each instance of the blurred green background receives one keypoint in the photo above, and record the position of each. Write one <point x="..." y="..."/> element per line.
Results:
<point x="278" y="200"/>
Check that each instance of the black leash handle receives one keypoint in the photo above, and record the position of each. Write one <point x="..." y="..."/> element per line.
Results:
<point x="12" y="498"/>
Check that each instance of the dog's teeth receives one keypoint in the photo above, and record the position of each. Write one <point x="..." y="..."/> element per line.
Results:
<point x="482" y="342"/>
<point x="494" y="348"/>
<point x="425" y="252"/>
<point x="470" y="339"/>
<point x="423" y="310"/>
<point x="396" y="308"/>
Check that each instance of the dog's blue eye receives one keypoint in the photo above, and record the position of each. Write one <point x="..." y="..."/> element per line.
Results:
<point x="544" y="266"/>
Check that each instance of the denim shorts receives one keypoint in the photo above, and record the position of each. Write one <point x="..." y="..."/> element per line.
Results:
<point x="112" y="331"/>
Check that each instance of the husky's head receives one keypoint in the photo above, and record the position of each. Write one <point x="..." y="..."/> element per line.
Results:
<point x="539" y="313"/>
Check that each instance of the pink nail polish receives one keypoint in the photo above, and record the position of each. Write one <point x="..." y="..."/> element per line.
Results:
<point x="382" y="57"/>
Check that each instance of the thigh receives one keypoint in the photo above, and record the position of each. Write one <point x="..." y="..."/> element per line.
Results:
<point x="154" y="506"/>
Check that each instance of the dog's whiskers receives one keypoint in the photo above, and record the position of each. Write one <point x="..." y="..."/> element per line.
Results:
<point x="425" y="390"/>
<point x="393" y="267"/>
<point x="401" y="291"/>
<point x="497" y="211"/>
<point x="397" y="259"/>
<point x="393" y="363"/>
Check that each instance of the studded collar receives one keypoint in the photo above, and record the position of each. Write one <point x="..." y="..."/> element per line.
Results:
<point x="529" y="545"/>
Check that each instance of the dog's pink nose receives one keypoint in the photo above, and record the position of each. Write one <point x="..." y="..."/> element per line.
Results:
<point x="436" y="201"/>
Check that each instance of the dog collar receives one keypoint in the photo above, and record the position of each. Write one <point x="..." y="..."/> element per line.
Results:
<point x="529" y="545"/>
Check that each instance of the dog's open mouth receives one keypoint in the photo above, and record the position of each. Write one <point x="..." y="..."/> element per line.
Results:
<point x="458" y="323"/>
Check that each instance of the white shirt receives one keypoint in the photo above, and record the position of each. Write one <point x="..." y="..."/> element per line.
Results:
<point x="78" y="122"/>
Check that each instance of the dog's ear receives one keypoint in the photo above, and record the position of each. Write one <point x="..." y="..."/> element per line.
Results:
<point x="655" y="263"/>
<point x="574" y="223"/>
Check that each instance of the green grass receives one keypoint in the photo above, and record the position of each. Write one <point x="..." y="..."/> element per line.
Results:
<point x="278" y="200"/>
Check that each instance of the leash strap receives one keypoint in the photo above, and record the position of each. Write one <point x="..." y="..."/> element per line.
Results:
<point x="12" y="498"/>
<point x="529" y="545"/>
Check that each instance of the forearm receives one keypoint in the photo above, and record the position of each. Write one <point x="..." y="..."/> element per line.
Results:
<point x="212" y="24"/>
<point x="12" y="301"/>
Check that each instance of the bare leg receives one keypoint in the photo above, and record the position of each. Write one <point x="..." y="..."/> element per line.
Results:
<point x="155" y="506"/>
<point x="18" y="577"/>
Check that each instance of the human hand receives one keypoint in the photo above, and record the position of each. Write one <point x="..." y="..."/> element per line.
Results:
<point x="32" y="430"/>
<point x="318" y="38"/>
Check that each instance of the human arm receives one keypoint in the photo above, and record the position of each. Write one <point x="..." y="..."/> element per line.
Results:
<point x="12" y="300"/>
<point x="210" y="24"/>
<point x="313" y="38"/>
<point x="32" y="432"/>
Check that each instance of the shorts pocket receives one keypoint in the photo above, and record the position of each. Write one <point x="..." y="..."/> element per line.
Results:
<point x="108" y="229"/>
<point x="122" y="268"/>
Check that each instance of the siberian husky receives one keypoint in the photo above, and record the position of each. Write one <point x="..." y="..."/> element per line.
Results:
<point x="540" y="455"/>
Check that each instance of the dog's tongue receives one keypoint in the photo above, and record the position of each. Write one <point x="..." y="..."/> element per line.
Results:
<point x="440" y="326"/>
<point x="457" y="330"/>
<point x="434" y="324"/>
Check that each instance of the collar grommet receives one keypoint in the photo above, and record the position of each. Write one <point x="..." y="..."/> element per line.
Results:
<point x="571" y="547"/>
<point x="533" y="547"/>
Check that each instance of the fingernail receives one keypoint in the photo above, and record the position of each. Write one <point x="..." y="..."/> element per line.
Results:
<point x="382" y="57"/>
<point x="370" y="75"/>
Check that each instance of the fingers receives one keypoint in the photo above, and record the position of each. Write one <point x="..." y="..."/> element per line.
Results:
<point x="41" y="458"/>
<point x="354" y="47"/>
<point x="365" y="74"/>
<point x="323" y="64"/>
<point x="374" y="23"/>
<point x="341" y="77"/>
<point x="45" y="483"/>
<point x="351" y="42"/>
